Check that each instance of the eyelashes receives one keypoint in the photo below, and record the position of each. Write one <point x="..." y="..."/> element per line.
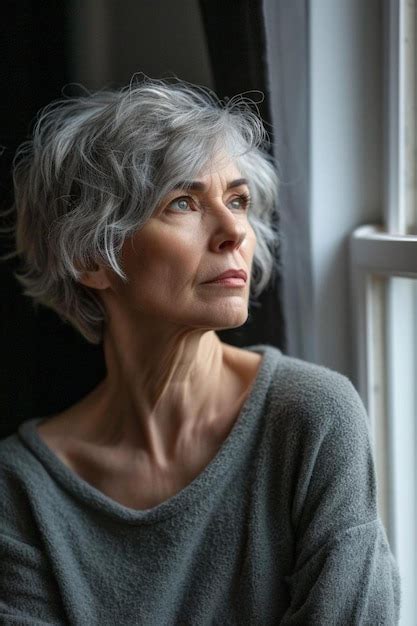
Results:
<point x="245" y="201"/>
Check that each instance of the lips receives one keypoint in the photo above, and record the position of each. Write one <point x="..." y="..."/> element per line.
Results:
<point x="230" y="274"/>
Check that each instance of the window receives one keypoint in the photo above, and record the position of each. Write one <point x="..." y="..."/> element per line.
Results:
<point x="383" y="270"/>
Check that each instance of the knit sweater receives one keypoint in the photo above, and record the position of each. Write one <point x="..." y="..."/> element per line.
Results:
<point x="281" y="527"/>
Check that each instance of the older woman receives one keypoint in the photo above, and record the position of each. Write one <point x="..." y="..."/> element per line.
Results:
<point x="198" y="483"/>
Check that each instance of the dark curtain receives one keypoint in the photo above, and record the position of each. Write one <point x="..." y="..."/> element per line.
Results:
<point x="235" y="34"/>
<point x="44" y="365"/>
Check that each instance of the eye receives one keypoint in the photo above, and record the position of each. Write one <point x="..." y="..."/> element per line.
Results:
<point x="243" y="199"/>
<point x="182" y="202"/>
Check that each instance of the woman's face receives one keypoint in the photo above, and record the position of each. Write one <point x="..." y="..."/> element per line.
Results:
<point x="192" y="237"/>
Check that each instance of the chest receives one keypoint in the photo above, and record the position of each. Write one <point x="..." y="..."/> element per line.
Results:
<point x="136" y="483"/>
<point x="142" y="486"/>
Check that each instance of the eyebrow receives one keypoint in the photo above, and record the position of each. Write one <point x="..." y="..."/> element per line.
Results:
<point x="197" y="186"/>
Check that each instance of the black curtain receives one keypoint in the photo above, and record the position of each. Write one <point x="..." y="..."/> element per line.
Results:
<point x="44" y="364"/>
<point x="235" y="35"/>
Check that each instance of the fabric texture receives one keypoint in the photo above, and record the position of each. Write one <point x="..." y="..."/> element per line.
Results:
<point x="281" y="527"/>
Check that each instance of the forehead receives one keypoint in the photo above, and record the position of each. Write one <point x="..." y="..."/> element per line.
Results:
<point x="221" y="163"/>
<point x="226" y="172"/>
<point x="221" y="168"/>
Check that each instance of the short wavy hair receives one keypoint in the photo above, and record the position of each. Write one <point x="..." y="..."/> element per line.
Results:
<point x="97" y="166"/>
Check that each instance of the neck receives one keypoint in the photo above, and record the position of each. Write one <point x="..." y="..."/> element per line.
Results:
<point x="160" y="393"/>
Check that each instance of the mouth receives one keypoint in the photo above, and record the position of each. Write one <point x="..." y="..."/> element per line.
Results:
<point x="232" y="281"/>
<point x="235" y="274"/>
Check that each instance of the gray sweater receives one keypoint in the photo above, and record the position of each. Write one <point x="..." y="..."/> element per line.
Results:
<point x="281" y="527"/>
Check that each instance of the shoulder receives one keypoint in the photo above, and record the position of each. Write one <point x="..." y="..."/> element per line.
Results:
<point x="12" y="452"/>
<point x="305" y="381"/>
<point x="18" y="472"/>
<point x="16" y="463"/>
<point x="20" y="468"/>
<point x="314" y="399"/>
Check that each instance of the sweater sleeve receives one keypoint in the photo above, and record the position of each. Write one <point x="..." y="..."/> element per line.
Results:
<point x="344" y="571"/>
<point x="28" y="594"/>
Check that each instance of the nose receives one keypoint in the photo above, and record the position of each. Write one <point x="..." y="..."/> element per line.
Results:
<point x="227" y="229"/>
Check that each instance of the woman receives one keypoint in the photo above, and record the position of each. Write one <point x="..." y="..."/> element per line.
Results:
<point x="198" y="483"/>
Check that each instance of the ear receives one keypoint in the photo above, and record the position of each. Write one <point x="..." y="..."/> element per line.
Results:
<point x="96" y="278"/>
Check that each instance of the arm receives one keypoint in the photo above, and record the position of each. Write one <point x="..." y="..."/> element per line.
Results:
<point x="344" y="571"/>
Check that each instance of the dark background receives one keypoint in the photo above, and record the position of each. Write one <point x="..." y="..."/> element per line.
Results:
<point x="45" y="365"/>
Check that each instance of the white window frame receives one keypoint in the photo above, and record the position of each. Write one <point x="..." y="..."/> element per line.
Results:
<point x="384" y="310"/>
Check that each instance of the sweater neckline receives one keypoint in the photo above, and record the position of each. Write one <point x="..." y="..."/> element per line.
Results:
<point x="202" y="485"/>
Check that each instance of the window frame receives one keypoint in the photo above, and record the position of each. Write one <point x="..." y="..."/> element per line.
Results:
<point x="384" y="310"/>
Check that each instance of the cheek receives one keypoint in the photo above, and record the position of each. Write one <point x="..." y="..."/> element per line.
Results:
<point x="161" y="258"/>
<point x="250" y="241"/>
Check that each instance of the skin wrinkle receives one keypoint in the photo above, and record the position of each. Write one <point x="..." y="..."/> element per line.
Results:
<point x="170" y="380"/>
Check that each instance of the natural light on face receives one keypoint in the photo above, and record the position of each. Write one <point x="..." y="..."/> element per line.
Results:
<point x="194" y="235"/>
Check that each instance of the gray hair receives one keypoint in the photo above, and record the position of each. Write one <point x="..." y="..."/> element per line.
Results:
<point x="97" y="166"/>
